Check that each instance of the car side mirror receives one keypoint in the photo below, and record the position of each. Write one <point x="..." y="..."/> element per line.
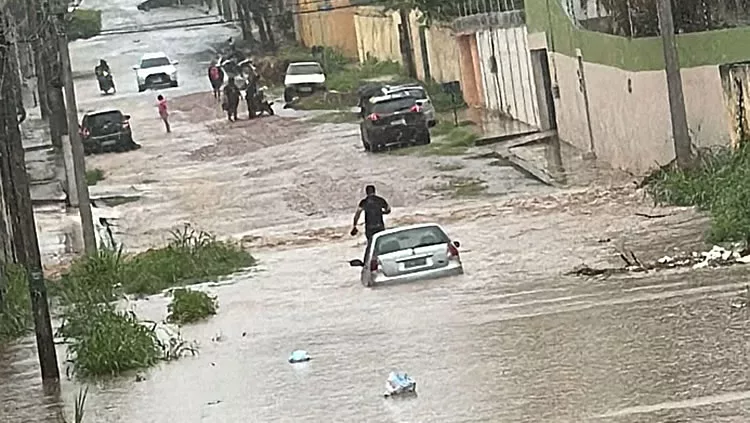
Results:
<point x="175" y="62"/>
<point x="356" y="263"/>
<point x="136" y="67"/>
<point x="456" y="244"/>
<point x="126" y="117"/>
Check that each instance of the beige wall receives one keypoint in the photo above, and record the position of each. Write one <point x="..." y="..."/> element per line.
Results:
<point x="378" y="37"/>
<point x="632" y="130"/>
<point x="334" y="28"/>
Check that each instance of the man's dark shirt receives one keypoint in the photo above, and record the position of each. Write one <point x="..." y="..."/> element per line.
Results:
<point x="373" y="207"/>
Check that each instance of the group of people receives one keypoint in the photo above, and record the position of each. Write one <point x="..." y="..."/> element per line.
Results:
<point x="231" y="92"/>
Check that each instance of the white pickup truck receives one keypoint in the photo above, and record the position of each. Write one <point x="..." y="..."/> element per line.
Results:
<point x="303" y="78"/>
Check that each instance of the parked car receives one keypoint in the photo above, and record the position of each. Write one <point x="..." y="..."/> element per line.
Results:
<point x="408" y="254"/>
<point x="303" y="78"/>
<point x="156" y="70"/>
<point x="423" y="99"/>
<point x="154" y="4"/>
<point x="106" y="130"/>
<point x="393" y="119"/>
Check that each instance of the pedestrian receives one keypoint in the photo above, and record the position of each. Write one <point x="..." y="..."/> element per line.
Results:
<point x="216" y="78"/>
<point x="163" y="111"/>
<point x="231" y="99"/>
<point x="374" y="208"/>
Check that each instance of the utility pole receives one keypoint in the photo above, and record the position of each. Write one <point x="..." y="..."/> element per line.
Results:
<point x="11" y="149"/>
<point x="680" y="132"/>
<point x="407" y="53"/>
<point x="79" y="163"/>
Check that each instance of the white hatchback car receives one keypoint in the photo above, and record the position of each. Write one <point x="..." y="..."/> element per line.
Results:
<point x="156" y="70"/>
<point x="410" y="253"/>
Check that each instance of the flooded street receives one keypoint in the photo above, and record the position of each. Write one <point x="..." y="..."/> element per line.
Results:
<point x="512" y="340"/>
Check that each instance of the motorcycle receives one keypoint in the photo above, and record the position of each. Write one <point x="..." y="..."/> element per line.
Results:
<point x="106" y="82"/>
<point x="259" y="104"/>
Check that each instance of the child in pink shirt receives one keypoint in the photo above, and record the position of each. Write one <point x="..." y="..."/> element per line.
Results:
<point x="163" y="111"/>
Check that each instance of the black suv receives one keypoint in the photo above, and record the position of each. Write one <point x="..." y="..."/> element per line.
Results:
<point x="394" y="119"/>
<point x="107" y="130"/>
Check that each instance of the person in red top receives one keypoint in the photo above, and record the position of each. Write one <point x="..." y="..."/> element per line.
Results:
<point x="163" y="112"/>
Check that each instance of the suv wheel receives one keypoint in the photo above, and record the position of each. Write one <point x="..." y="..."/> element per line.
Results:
<point x="365" y="144"/>
<point x="288" y="94"/>
<point x="141" y="88"/>
<point x="424" y="138"/>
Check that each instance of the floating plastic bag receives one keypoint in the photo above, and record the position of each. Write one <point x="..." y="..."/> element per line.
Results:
<point x="299" y="356"/>
<point x="399" y="383"/>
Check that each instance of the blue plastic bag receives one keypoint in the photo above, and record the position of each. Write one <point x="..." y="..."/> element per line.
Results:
<point x="399" y="383"/>
<point x="299" y="356"/>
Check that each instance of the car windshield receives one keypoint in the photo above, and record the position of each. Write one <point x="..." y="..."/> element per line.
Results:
<point x="410" y="238"/>
<point x="393" y="105"/>
<point x="307" y="69"/>
<point x="415" y="92"/>
<point x="154" y="62"/>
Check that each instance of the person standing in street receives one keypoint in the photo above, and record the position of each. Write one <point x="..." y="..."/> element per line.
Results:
<point x="374" y="207"/>
<point x="231" y="99"/>
<point x="163" y="113"/>
<point x="216" y="77"/>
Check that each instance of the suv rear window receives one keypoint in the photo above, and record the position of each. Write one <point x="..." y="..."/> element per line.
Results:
<point x="411" y="238"/>
<point x="155" y="62"/>
<point x="99" y="120"/>
<point x="394" y="105"/>
<point x="311" y="69"/>
<point x="415" y="92"/>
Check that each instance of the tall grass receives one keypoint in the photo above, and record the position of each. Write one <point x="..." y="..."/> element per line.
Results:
<point x="718" y="183"/>
<point x="190" y="306"/>
<point x="15" y="309"/>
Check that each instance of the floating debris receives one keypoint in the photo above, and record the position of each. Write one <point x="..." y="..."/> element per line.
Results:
<point x="399" y="383"/>
<point x="299" y="356"/>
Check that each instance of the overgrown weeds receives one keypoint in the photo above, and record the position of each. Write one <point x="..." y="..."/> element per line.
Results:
<point x="190" y="306"/>
<point x="15" y="305"/>
<point x="718" y="183"/>
<point x="79" y="406"/>
<point x="448" y="140"/>
<point x="191" y="256"/>
<point x="93" y="176"/>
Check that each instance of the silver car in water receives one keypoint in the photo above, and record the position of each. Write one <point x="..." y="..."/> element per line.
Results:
<point x="410" y="253"/>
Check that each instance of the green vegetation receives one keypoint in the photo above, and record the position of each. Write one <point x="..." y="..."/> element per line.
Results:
<point x="15" y="308"/>
<point x="462" y="187"/>
<point x="719" y="183"/>
<point x="106" y="342"/>
<point x="84" y="23"/>
<point x="190" y="257"/>
<point x="447" y="140"/>
<point x="190" y="306"/>
<point x="93" y="176"/>
<point x="79" y="406"/>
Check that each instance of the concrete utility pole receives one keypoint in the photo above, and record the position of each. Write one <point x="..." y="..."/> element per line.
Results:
<point x="680" y="131"/>
<point x="11" y="149"/>
<point x="79" y="163"/>
<point x="407" y="53"/>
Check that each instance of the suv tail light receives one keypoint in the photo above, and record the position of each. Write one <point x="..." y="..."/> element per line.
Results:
<point x="452" y="251"/>
<point x="416" y="108"/>
<point x="373" y="117"/>
<point x="85" y="132"/>
<point x="374" y="265"/>
<point x="125" y="123"/>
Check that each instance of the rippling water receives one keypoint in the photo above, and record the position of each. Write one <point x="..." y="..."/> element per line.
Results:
<point x="508" y="341"/>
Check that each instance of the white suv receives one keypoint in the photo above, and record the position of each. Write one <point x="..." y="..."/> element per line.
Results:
<point x="155" y="70"/>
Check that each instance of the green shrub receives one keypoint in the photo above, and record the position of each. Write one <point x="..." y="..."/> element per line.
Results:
<point x="190" y="257"/>
<point x="106" y="343"/>
<point x="15" y="309"/>
<point x="717" y="183"/>
<point x="190" y="306"/>
<point x="84" y="23"/>
<point x="93" y="176"/>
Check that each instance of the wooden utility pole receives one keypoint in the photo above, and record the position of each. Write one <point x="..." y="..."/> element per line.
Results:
<point x="680" y="131"/>
<point x="79" y="163"/>
<point x="407" y="52"/>
<point x="11" y="149"/>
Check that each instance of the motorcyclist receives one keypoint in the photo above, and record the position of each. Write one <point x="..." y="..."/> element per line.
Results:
<point x="100" y="70"/>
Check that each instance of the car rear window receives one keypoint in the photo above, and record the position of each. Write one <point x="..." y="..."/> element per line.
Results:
<point x="417" y="93"/>
<point x="411" y="238"/>
<point x="155" y="62"/>
<point x="394" y="105"/>
<point x="98" y="120"/>
<point x="310" y="69"/>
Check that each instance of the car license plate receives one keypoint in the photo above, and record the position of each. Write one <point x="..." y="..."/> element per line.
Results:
<point x="108" y="143"/>
<point x="415" y="263"/>
<point x="399" y="122"/>
<point x="305" y="89"/>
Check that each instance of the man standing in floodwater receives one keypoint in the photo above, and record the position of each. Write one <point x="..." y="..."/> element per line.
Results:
<point x="374" y="208"/>
<point x="163" y="113"/>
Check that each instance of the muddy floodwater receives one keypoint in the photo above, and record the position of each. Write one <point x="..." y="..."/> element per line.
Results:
<point x="512" y="340"/>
